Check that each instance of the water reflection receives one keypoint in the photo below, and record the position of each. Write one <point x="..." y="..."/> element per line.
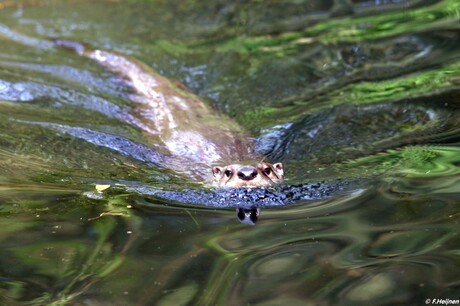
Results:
<point x="378" y="244"/>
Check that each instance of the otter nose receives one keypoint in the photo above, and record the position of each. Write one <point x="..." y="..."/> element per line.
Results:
<point x="247" y="174"/>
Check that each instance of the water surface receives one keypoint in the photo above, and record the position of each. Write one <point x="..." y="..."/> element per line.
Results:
<point x="361" y="92"/>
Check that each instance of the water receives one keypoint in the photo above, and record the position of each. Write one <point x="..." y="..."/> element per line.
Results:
<point x="365" y="93"/>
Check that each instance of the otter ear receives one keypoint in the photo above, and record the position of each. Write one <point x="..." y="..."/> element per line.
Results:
<point x="217" y="171"/>
<point x="279" y="168"/>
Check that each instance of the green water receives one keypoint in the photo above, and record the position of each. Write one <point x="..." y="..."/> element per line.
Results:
<point x="363" y="91"/>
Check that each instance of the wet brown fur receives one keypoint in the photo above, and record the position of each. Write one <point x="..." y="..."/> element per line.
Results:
<point x="176" y="120"/>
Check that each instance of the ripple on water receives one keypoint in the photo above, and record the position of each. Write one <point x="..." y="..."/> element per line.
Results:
<point x="15" y="92"/>
<point x="293" y="265"/>
<point x="410" y="242"/>
<point x="335" y="89"/>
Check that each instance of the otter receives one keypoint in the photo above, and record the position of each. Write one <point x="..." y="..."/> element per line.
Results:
<point x="235" y="175"/>
<point x="173" y="119"/>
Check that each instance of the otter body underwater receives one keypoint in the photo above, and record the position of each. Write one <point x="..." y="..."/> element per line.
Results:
<point x="197" y="138"/>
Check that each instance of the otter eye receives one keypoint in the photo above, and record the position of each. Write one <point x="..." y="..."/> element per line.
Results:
<point x="267" y="171"/>
<point x="228" y="173"/>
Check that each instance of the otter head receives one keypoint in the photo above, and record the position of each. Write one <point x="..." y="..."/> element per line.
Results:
<point x="234" y="176"/>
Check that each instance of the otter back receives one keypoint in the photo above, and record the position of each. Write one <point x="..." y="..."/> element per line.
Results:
<point x="196" y="136"/>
